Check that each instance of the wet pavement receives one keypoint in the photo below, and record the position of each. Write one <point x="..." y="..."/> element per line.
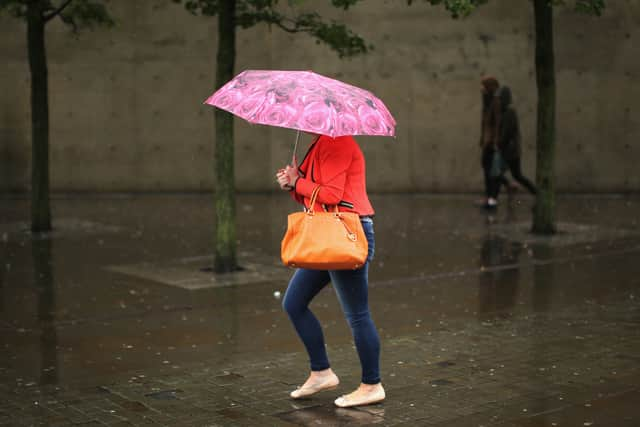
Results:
<point x="114" y="318"/>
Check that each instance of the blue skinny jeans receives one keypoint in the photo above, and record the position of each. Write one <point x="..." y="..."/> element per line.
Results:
<point x="351" y="286"/>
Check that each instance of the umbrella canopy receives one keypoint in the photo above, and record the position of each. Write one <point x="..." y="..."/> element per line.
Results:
<point x="305" y="101"/>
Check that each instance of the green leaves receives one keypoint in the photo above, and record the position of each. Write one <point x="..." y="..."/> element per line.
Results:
<point x="344" y="4"/>
<point x="200" y="7"/>
<point x="457" y="8"/>
<point x="337" y="36"/>
<point x="85" y="14"/>
<point x="252" y="12"/>
<point x="15" y="8"/>
<point x="75" y="13"/>
<point x="591" y="7"/>
<point x="463" y="8"/>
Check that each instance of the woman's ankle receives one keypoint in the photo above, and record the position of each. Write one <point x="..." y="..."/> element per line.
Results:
<point x="370" y="387"/>
<point x="323" y="373"/>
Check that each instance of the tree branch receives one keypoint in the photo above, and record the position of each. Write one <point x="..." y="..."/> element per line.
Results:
<point x="296" y="28"/>
<point x="47" y="17"/>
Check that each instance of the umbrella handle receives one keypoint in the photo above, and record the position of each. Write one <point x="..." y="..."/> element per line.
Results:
<point x="295" y="148"/>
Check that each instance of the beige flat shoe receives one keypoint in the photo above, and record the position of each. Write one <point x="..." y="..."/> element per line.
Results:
<point x="330" y="383"/>
<point x="347" y="401"/>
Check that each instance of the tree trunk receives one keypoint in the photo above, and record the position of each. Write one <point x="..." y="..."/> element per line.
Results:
<point x="225" y="254"/>
<point x="544" y="214"/>
<point x="40" y="210"/>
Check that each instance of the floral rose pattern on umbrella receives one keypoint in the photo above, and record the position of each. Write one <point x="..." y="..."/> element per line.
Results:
<point x="369" y="120"/>
<point x="348" y="124"/>
<point x="229" y="99"/>
<point x="277" y="115"/>
<point x="305" y="101"/>
<point x="316" y="118"/>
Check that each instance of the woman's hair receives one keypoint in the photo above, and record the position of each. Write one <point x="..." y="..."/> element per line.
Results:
<point x="490" y="83"/>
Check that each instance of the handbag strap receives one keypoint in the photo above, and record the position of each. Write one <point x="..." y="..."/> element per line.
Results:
<point x="312" y="202"/>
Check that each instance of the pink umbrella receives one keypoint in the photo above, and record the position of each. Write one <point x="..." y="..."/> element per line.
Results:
<point x="305" y="101"/>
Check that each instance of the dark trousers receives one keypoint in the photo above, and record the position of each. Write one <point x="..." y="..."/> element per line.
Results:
<point x="491" y="184"/>
<point x="516" y="172"/>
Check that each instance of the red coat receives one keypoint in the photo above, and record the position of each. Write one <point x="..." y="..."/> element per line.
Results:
<point x="338" y="166"/>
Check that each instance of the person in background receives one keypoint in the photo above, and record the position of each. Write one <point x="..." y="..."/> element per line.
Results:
<point x="509" y="140"/>
<point x="489" y="136"/>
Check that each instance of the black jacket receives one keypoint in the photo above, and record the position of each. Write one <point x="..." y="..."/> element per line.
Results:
<point x="509" y="140"/>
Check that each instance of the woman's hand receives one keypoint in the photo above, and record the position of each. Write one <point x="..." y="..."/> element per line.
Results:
<point x="283" y="180"/>
<point x="288" y="176"/>
<point x="292" y="174"/>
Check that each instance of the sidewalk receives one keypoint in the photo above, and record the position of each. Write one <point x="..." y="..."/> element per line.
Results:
<point x="112" y="322"/>
<point x="576" y="368"/>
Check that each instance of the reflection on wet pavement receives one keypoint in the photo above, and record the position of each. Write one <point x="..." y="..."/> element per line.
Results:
<point x="44" y="289"/>
<point x="117" y="295"/>
<point x="326" y="415"/>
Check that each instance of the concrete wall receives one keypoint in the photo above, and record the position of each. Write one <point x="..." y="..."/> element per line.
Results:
<point x="126" y="110"/>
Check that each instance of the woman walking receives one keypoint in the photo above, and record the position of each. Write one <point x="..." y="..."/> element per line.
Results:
<point x="337" y="165"/>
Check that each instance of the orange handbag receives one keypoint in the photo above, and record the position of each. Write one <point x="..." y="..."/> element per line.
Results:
<point x="324" y="240"/>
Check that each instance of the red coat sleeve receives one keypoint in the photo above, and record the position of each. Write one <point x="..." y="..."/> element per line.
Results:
<point x="335" y="159"/>
<point x="297" y="197"/>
